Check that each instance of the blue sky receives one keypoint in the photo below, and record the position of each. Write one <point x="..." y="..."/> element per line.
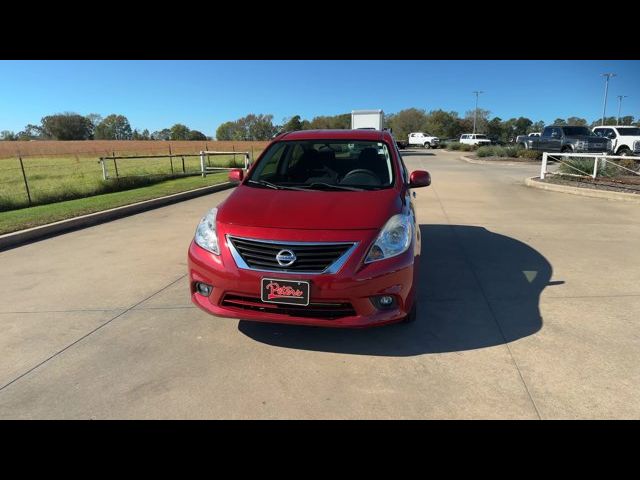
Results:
<point x="203" y="94"/>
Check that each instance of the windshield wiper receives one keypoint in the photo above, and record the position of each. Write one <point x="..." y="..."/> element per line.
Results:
<point x="264" y="183"/>
<point x="330" y="185"/>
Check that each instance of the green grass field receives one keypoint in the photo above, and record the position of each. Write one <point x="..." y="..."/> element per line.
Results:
<point x="11" y="221"/>
<point x="61" y="178"/>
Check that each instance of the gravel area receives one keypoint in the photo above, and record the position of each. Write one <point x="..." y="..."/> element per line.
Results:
<point x="627" y="184"/>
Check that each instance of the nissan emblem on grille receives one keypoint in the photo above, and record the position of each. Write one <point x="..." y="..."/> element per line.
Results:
<point x="286" y="257"/>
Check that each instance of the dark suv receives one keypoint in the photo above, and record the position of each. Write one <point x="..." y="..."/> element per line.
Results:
<point x="566" y="139"/>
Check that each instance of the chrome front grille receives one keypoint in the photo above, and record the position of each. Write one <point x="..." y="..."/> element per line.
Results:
<point x="316" y="257"/>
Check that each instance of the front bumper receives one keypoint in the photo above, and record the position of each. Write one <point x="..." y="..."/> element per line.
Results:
<point x="236" y="292"/>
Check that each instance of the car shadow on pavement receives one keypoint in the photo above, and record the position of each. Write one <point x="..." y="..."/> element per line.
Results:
<point x="476" y="289"/>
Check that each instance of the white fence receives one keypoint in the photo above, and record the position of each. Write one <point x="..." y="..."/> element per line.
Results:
<point x="599" y="163"/>
<point x="205" y="168"/>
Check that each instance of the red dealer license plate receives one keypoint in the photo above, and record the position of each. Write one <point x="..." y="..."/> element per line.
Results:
<point x="293" y="292"/>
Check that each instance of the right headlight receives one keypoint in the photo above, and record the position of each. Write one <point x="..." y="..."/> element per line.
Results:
<point x="206" y="235"/>
<point x="394" y="239"/>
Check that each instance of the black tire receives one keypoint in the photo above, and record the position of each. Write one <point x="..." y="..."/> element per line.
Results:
<point x="624" y="152"/>
<point x="427" y="145"/>
<point x="413" y="314"/>
<point x="566" y="150"/>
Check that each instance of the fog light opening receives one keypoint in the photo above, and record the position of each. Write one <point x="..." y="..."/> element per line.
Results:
<point x="384" y="302"/>
<point x="203" y="289"/>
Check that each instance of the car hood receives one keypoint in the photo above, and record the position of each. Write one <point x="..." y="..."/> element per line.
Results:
<point x="309" y="210"/>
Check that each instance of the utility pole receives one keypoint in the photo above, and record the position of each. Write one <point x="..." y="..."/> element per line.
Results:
<point x="475" y="112"/>
<point x="620" y="97"/>
<point x="606" y="90"/>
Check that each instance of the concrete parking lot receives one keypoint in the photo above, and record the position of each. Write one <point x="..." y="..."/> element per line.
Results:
<point x="529" y="307"/>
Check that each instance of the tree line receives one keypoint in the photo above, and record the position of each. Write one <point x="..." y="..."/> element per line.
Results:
<point x="73" y="126"/>
<point x="443" y="124"/>
<point x="439" y="123"/>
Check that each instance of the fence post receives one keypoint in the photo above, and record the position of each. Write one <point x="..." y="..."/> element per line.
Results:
<point x="115" y="164"/>
<point x="170" y="159"/>
<point x="104" y="168"/>
<point x="543" y="168"/>
<point x="233" y="147"/>
<point x="204" y="172"/>
<point x="183" y="169"/>
<point x="24" y="176"/>
<point x="595" y="167"/>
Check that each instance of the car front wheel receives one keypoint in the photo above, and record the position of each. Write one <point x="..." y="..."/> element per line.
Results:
<point x="427" y="145"/>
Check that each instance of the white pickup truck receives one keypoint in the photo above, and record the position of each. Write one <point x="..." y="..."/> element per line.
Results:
<point x="424" y="140"/>
<point x="625" y="140"/>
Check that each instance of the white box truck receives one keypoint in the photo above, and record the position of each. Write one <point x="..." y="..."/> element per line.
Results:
<point x="367" y="119"/>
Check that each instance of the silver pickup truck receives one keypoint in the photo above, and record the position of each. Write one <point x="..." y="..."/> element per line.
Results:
<point x="566" y="139"/>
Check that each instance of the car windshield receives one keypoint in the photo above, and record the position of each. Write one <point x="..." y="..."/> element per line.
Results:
<point x="574" y="131"/>
<point x="630" y="131"/>
<point x="348" y="165"/>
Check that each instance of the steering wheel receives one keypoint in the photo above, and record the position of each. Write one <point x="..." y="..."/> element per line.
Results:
<point x="361" y="171"/>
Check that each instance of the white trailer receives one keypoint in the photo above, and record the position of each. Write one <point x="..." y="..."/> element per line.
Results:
<point x="367" y="119"/>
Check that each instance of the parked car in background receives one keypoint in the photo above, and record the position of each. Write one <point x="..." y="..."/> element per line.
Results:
<point x="564" y="139"/>
<point x="625" y="140"/>
<point x="495" y="140"/>
<point x="474" y="139"/>
<point x="521" y="139"/>
<point x="316" y="233"/>
<point x="423" y="140"/>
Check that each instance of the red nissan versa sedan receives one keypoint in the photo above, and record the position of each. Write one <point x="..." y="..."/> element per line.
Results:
<point x="321" y="231"/>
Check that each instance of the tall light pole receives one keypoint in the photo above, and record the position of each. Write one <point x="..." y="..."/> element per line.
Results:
<point x="475" y="112"/>
<point x="606" y="90"/>
<point x="620" y="97"/>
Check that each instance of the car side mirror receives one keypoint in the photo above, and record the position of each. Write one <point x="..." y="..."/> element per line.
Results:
<point x="236" y="175"/>
<point x="419" y="178"/>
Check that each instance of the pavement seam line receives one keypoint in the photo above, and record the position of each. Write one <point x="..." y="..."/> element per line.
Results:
<point x="486" y="300"/>
<point x="89" y="333"/>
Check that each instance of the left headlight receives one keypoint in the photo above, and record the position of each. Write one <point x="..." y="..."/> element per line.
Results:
<point x="394" y="239"/>
<point x="206" y="235"/>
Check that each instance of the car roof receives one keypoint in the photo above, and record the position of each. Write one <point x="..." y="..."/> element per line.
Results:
<point x="615" y="126"/>
<point x="337" y="134"/>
